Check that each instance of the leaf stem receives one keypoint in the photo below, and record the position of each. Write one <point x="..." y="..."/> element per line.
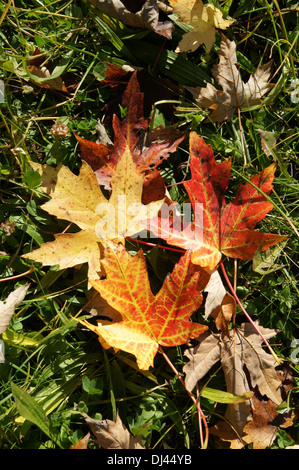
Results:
<point x="193" y="398"/>
<point x="155" y="244"/>
<point x="246" y="314"/>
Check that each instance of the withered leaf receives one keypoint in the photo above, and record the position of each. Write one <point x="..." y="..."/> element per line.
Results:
<point x="82" y="443"/>
<point x="234" y="93"/>
<point x="7" y="306"/>
<point x="240" y="354"/>
<point x="145" y="14"/>
<point x="113" y="435"/>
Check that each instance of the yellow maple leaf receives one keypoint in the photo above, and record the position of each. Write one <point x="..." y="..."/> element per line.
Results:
<point x="79" y="199"/>
<point x="204" y="19"/>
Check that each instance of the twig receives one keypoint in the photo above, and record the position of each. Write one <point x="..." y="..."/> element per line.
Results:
<point x="18" y="276"/>
<point x="154" y="244"/>
<point x="193" y="398"/>
<point x="246" y="314"/>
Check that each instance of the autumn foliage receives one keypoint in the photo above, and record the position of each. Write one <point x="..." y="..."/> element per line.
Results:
<point x="129" y="169"/>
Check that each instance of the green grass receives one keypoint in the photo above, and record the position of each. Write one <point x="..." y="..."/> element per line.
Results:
<point x="52" y="365"/>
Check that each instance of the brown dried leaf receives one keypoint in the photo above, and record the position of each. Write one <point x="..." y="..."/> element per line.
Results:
<point x="146" y="17"/>
<point x="82" y="443"/>
<point x="113" y="435"/>
<point x="7" y="306"/>
<point x="235" y="93"/>
<point x="239" y="354"/>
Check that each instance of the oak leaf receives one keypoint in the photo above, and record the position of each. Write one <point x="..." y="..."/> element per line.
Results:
<point x="204" y="19"/>
<point x="235" y="94"/>
<point x="219" y="228"/>
<point x="80" y="200"/>
<point x="147" y="320"/>
<point x="240" y="354"/>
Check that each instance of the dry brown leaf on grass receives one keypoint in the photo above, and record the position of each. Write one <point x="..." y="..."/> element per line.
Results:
<point x="204" y="19"/>
<point x="82" y="443"/>
<point x="235" y="93"/>
<point x="113" y="435"/>
<point x="260" y="430"/>
<point x="219" y="303"/>
<point x="240" y="355"/>
<point x="7" y="306"/>
<point x="140" y="14"/>
<point x="7" y="309"/>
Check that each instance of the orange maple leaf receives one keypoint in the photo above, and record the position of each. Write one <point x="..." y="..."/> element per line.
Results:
<point x="147" y="320"/>
<point x="221" y="228"/>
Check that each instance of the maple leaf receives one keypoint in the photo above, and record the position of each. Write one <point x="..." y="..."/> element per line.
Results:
<point x="260" y="430"/>
<point x="242" y="350"/>
<point x="204" y="19"/>
<point x="235" y="94"/>
<point x="140" y="14"/>
<point x="80" y="200"/>
<point x="147" y="320"/>
<point x="221" y="228"/>
<point x="147" y="153"/>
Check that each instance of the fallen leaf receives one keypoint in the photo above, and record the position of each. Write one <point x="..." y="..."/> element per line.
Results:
<point x="146" y="17"/>
<point x="235" y="94"/>
<point x="259" y="431"/>
<point x="219" y="228"/>
<point x="216" y="293"/>
<point x="204" y="19"/>
<point x="241" y="354"/>
<point x="39" y="73"/>
<point x="147" y="153"/>
<point x="219" y="304"/>
<point x="147" y="320"/>
<point x="113" y="435"/>
<point x="82" y="443"/>
<point x="80" y="200"/>
<point x="7" y="306"/>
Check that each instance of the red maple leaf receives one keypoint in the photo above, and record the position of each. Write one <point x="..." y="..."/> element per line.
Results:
<point x="147" y="151"/>
<point x="221" y="228"/>
<point x="148" y="320"/>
